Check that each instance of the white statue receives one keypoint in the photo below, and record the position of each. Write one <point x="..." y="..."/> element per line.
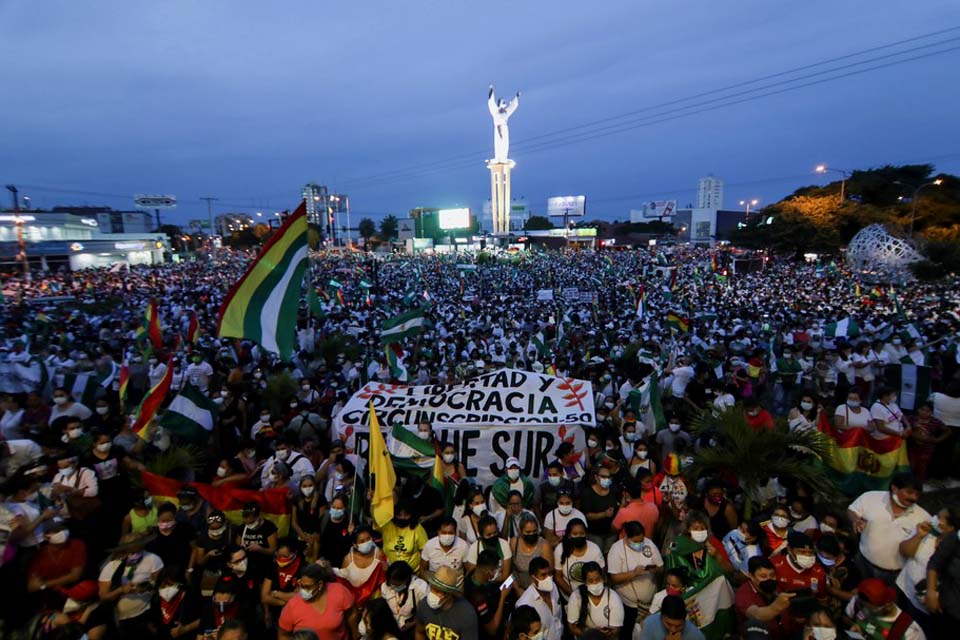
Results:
<point x="501" y="111"/>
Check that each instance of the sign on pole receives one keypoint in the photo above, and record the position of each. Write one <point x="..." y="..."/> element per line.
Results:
<point x="155" y="202"/>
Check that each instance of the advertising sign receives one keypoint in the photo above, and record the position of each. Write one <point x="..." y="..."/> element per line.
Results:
<point x="567" y="205"/>
<point x="454" y="218"/>
<point x="155" y="202"/>
<point x="659" y="208"/>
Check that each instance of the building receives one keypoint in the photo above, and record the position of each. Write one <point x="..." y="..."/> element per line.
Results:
<point x="328" y="212"/>
<point x="710" y="193"/>
<point x="79" y="238"/>
<point x="229" y="223"/>
<point x="705" y="225"/>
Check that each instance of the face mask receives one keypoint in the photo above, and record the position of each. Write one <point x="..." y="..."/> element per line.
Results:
<point x="630" y="437"/>
<point x="307" y="594"/>
<point x="596" y="589"/>
<point x="257" y="375"/>
<point x="59" y="400"/>
<point x="579" y="542"/>
<point x="169" y="593"/>
<point x="806" y="406"/>
<point x="636" y="546"/>
<point x="827" y="562"/>
<point x="796" y="516"/>
<point x="674" y="427"/>
<point x="305" y="387"/>
<point x="75" y="433"/>
<point x="715" y="499"/>
<point x="103" y="411"/>
<point x="68" y="471"/>
<point x="366" y="547"/>
<point x="362" y="628"/>
<point x="853" y="404"/>
<point x="768" y="587"/>
<point x="71" y="606"/>
<point x="307" y="491"/>
<point x="282" y="454"/>
<point x="265" y="419"/>
<point x="642" y="454"/>
<point x="478" y="509"/>
<point x="294" y="405"/>
<point x="565" y="509"/>
<point x="221" y="472"/>
<point x="554" y="481"/>
<point x="545" y="585"/>
<point x="216" y="533"/>
<point x="447" y="539"/>
<point x="424" y="435"/>
<point x="592" y="443"/>
<point x="59" y="537"/>
<point x="166" y="525"/>
<point x="449" y="457"/>
<point x="513" y="474"/>
<point x="779" y="522"/>
<point x="605" y="483"/>
<point x="824" y="633"/>
<point x="531" y="538"/>
<point x="336" y="514"/>
<point x="434" y="601"/>
<point x="610" y="447"/>
<point x="240" y="567"/>
<point x="148" y="502"/>
<point x="250" y="453"/>
<point x="401" y="522"/>
<point x="103" y="447"/>
<point x="805" y="562"/>
<point x="674" y="591"/>
<point x="537" y="636"/>
<point x="134" y="558"/>
<point x="825" y="528"/>
<point x="700" y="536"/>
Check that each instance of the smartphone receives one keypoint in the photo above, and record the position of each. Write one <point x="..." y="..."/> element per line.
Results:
<point x="854" y="635"/>
<point x="507" y="583"/>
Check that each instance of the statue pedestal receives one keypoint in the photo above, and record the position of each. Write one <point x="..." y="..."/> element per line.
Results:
<point x="500" y="195"/>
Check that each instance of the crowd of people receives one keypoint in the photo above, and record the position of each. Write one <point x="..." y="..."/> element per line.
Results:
<point x="616" y="539"/>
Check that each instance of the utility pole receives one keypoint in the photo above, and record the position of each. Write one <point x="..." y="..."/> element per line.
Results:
<point x="18" y="222"/>
<point x="209" y="200"/>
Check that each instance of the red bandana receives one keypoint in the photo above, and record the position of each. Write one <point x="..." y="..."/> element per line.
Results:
<point x="169" y="609"/>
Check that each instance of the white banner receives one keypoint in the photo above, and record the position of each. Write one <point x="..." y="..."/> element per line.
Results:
<point x="488" y="418"/>
<point x="544" y="295"/>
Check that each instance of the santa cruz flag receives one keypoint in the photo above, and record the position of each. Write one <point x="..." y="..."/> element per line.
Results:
<point x="263" y="305"/>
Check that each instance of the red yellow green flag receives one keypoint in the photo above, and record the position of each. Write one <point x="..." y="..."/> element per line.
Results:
<point x="152" y="401"/>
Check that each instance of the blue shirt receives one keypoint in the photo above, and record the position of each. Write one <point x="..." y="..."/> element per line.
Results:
<point x="653" y="630"/>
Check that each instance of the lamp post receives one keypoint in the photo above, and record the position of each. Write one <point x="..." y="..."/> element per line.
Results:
<point x="349" y="229"/>
<point x="746" y="204"/>
<point x="913" y="203"/>
<point x="844" y="174"/>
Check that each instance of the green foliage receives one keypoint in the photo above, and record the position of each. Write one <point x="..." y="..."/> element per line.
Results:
<point x="179" y="462"/>
<point x="389" y="227"/>
<point x="366" y="228"/>
<point x="753" y="457"/>
<point x="335" y="345"/>
<point x="538" y="223"/>
<point x="313" y="237"/>
<point x="942" y="253"/>
<point x="281" y="388"/>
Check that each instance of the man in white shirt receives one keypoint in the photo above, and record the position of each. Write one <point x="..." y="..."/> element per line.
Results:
<point x="299" y="464"/>
<point x="198" y="372"/>
<point x="884" y="519"/>
<point x="447" y="549"/>
<point x="544" y="597"/>
<point x="682" y="375"/>
<point x="129" y="580"/>
<point x="634" y="564"/>
<point x="17" y="454"/>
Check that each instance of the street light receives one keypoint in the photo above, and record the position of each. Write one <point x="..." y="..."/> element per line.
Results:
<point x="844" y="174"/>
<point x="913" y="203"/>
<point x="747" y="204"/>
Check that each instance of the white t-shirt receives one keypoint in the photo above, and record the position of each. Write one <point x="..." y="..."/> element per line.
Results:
<point x="135" y="603"/>
<point x="551" y="617"/>
<point x="621" y="559"/>
<point x="572" y="564"/>
<point x="557" y="522"/>
<point x="946" y="408"/>
<point x="435" y="556"/>
<point x="404" y="610"/>
<point x="76" y="410"/>
<point x="853" y="419"/>
<point x="915" y="570"/>
<point x="890" y="415"/>
<point x="681" y="378"/>
<point x="609" y="613"/>
<point x="880" y="540"/>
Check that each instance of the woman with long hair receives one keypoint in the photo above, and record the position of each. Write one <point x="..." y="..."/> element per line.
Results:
<point x="570" y="556"/>
<point x="378" y="622"/>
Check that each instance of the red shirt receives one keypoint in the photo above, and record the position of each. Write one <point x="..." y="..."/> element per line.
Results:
<point x="56" y="561"/>
<point x="762" y="420"/>
<point x="330" y="625"/>
<point x="789" y="578"/>
<point x="646" y="513"/>
<point x="747" y="596"/>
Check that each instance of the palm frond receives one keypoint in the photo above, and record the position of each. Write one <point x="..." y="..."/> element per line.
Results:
<point x="177" y="462"/>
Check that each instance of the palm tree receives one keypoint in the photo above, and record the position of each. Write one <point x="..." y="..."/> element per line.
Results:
<point x="753" y="457"/>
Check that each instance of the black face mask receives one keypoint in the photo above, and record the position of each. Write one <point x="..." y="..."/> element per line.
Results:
<point x="768" y="587"/>
<point x="578" y="542"/>
<point x="401" y="522"/>
<point x="531" y="538"/>
<point x="490" y="542"/>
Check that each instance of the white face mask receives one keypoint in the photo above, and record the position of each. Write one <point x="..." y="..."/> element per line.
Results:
<point x="897" y="501"/>
<point x="59" y="400"/>
<point x="240" y="567"/>
<point x="71" y="606"/>
<point x="554" y="481"/>
<point x="449" y="457"/>
<point x="307" y="594"/>
<point x="221" y="472"/>
<point x="674" y="427"/>
<point x="103" y="447"/>
<point x="824" y="633"/>
<point x="424" y="435"/>
<point x="595" y="589"/>
<point x="282" y="454"/>
<point x="169" y="593"/>
<point x="478" y="509"/>
<point x="853" y="404"/>
<point x="565" y="509"/>
<point x="68" y="471"/>
<point x="59" y="537"/>
<point x="780" y="522"/>
<point x="592" y="443"/>
<point x="103" y="411"/>
<point x="806" y="406"/>
<point x="75" y="433"/>
<point x="700" y="535"/>
<point x="805" y="562"/>
<point x="825" y="528"/>
<point x="545" y="585"/>
<point x="307" y="491"/>
<point x="434" y="601"/>
<point x="513" y="474"/>
<point x="447" y="539"/>
<point x="366" y="547"/>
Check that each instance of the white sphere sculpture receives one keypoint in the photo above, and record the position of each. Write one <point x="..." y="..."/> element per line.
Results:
<point x="873" y="249"/>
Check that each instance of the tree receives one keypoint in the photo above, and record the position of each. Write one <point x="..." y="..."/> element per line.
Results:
<point x="537" y="223"/>
<point x="366" y="228"/>
<point x="389" y="227"/>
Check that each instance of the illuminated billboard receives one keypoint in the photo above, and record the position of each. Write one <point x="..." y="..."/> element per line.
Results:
<point x="454" y="218"/>
<point x="560" y="206"/>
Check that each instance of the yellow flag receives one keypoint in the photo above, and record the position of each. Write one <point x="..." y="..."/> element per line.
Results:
<point x="381" y="468"/>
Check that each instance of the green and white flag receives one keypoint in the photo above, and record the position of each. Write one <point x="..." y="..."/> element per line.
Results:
<point x="910" y="332"/>
<point x="846" y="328"/>
<point x="112" y="376"/>
<point x="82" y="386"/>
<point x="405" y="325"/>
<point x="912" y="383"/>
<point x="190" y="416"/>
<point x="708" y="596"/>
<point x="410" y="453"/>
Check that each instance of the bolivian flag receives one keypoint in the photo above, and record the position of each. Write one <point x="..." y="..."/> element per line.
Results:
<point x="151" y="325"/>
<point x="262" y="306"/>
<point x="678" y="322"/>
<point x="124" y="383"/>
<point x="152" y="401"/>
<point x="193" y="329"/>
<point x="859" y="462"/>
<point x="273" y="502"/>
